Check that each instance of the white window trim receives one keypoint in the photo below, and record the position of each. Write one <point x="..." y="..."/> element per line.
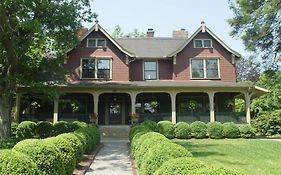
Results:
<point x="96" y="68"/>
<point x="202" y="41"/>
<point x="96" y="42"/>
<point x="205" y="68"/>
<point x="143" y="70"/>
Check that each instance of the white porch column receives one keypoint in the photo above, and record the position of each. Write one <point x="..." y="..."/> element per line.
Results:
<point x="211" y="95"/>
<point x="247" y="106"/>
<point x="56" y="110"/>
<point x="133" y="96"/>
<point x="173" y="103"/>
<point x="96" y="104"/>
<point x="17" y="112"/>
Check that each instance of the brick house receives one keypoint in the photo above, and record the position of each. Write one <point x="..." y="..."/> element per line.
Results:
<point x="179" y="78"/>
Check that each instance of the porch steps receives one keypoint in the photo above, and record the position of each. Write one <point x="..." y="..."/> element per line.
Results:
<point x="115" y="131"/>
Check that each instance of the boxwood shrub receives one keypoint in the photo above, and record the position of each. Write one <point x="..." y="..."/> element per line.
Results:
<point x="159" y="154"/>
<point x="62" y="127"/>
<point x="182" y="130"/>
<point x="198" y="129"/>
<point x="26" y="130"/>
<point x="77" y="125"/>
<point x="215" y="130"/>
<point x="246" y="131"/>
<point x="150" y="124"/>
<point x="66" y="150"/>
<point x="44" y="129"/>
<point x="15" y="163"/>
<point x="230" y="130"/>
<point x="46" y="156"/>
<point x="137" y="130"/>
<point x="166" y="128"/>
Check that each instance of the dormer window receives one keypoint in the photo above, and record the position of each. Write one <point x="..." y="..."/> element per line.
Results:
<point x="150" y="70"/>
<point x="96" y="42"/>
<point x="203" y="43"/>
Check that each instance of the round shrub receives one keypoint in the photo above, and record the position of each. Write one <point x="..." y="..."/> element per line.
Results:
<point x="182" y="165"/>
<point x="137" y="129"/>
<point x="15" y="163"/>
<point x="14" y="126"/>
<point x="182" y="130"/>
<point x="159" y="154"/>
<point x="230" y="130"/>
<point x="246" y="131"/>
<point x="62" y="127"/>
<point x="26" y="129"/>
<point x="166" y="128"/>
<point x="150" y="124"/>
<point x="77" y="125"/>
<point x="44" y="129"/>
<point x="66" y="150"/>
<point x="75" y="143"/>
<point x="215" y="130"/>
<point x="85" y="136"/>
<point x="46" y="156"/>
<point x="198" y="129"/>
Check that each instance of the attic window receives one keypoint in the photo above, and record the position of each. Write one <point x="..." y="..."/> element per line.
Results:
<point x="96" y="42"/>
<point x="203" y="43"/>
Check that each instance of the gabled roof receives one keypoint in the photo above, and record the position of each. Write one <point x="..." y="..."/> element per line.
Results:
<point x="203" y="28"/>
<point x="97" y="27"/>
<point x="151" y="47"/>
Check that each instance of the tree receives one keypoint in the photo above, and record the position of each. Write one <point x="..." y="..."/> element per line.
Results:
<point x="117" y="33"/>
<point x="259" y="25"/>
<point x="247" y="69"/>
<point x="34" y="37"/>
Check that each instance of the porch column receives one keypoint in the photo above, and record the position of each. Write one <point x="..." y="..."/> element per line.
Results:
<point x="56" y="110"/>
<point x="247" y="106"/>
<point x="96" y="105"/>
<point x="17" y="112"/>
<point x="173" y="103"/>
<point x="211" y="95"/>
<point x="133" y="96"/>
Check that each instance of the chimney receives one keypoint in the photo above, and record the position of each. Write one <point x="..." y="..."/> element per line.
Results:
<point x="182" y="33"/>
<point x="150" y="33"/>
<point x="81" y="32"/>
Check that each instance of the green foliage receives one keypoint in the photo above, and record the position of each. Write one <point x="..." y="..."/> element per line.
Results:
<point x="26" y="129"/>
<point x="14" y="126"/>
<point x="198" y="129"/>
<point x="137" y="130"/>
<point x="16" y="163"/>
<point x="62" y="127"/>
<point x="150" y="124"/>
<point x="215" y="130"/>
<point x="182" y="130"/>
<point x="268" y="123"/>
<point x="117" y="33"/>
<point x="66" y="150"/>
<point x="46" y="156"/>
<point x="78" y="124"/>
<point x="44" y="129"/>
<point x="258" y="24"/>
<point x="247" y="131"/>
<point x="230" y="130"/>
<point x="166" y="128"/>
<point x="8" y="143"/>
<point x="159" y="154"/>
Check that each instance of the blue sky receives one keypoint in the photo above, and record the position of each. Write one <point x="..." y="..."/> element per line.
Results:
<point x="164" y="16"/>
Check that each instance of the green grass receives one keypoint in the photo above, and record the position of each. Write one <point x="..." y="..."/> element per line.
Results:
<point x="251" y="157"/>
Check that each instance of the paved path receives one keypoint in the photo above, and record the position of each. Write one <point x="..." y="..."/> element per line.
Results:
<point x="112" y="159"/>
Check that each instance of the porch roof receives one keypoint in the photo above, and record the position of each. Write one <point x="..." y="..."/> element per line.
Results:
<point x="198" y="85"/>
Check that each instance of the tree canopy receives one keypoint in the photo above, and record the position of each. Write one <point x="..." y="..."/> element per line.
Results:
<point x="34" y="37"/>
<point x="258" y="23"/>
<point x="117" y="33"/>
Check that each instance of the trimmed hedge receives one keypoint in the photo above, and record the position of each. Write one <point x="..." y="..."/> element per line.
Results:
<point x="150" y="124"/>
<point x="44" y="129"/>
<point x="26" y="130"/>
<point x="246" y="131"/>
<point x="230" y="130"/>
<point x="62" y="127"/>
<point x="46" y="156"/>
<point x="199" y="129"/>
<point x="138" y="129"/>
<point x="15" y="163"/>
<point x="182" y="130"/>
<point x="166" y="128"/>
<point x="215" y="130"/>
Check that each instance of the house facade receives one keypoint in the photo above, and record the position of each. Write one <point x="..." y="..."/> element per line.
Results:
<point x="179" y="78"/>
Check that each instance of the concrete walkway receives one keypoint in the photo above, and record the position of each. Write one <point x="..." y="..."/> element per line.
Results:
<point x="112" y="159"/>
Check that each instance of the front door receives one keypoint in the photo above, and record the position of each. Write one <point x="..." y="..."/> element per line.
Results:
<point x="115" y="111"/>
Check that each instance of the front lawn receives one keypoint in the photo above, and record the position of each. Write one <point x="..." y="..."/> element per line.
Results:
<point x="256" y="157"/>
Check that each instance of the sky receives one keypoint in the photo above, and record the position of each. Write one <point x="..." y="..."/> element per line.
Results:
<point x="165" y="16"/>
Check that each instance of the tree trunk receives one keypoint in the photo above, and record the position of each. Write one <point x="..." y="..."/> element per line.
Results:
<point x="5" y="116"/>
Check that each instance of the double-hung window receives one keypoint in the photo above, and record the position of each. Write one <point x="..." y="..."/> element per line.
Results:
<point x="203" y="43"/>
<point x="99" y="68"/>
<point x="150" y="70"/>
<point x="96" y="42"/>
<point x="205" y="68"/>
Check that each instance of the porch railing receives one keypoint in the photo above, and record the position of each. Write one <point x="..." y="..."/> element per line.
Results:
<point x="190" y="117"/>
<point x="236" y="117"/>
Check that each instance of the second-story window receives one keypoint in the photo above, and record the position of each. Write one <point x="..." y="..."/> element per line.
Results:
<point x="88" y="68"/>
<point x="96" y="42"/>
<point x="150" y="70"/>
<point x="203" y="43"/>
<point x="103" y="68"/>
<point x="205" y="68"/>
<point x="99" y="68"/>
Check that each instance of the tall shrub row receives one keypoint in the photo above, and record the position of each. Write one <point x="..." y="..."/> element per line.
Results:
<point x="54" y="155"/>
